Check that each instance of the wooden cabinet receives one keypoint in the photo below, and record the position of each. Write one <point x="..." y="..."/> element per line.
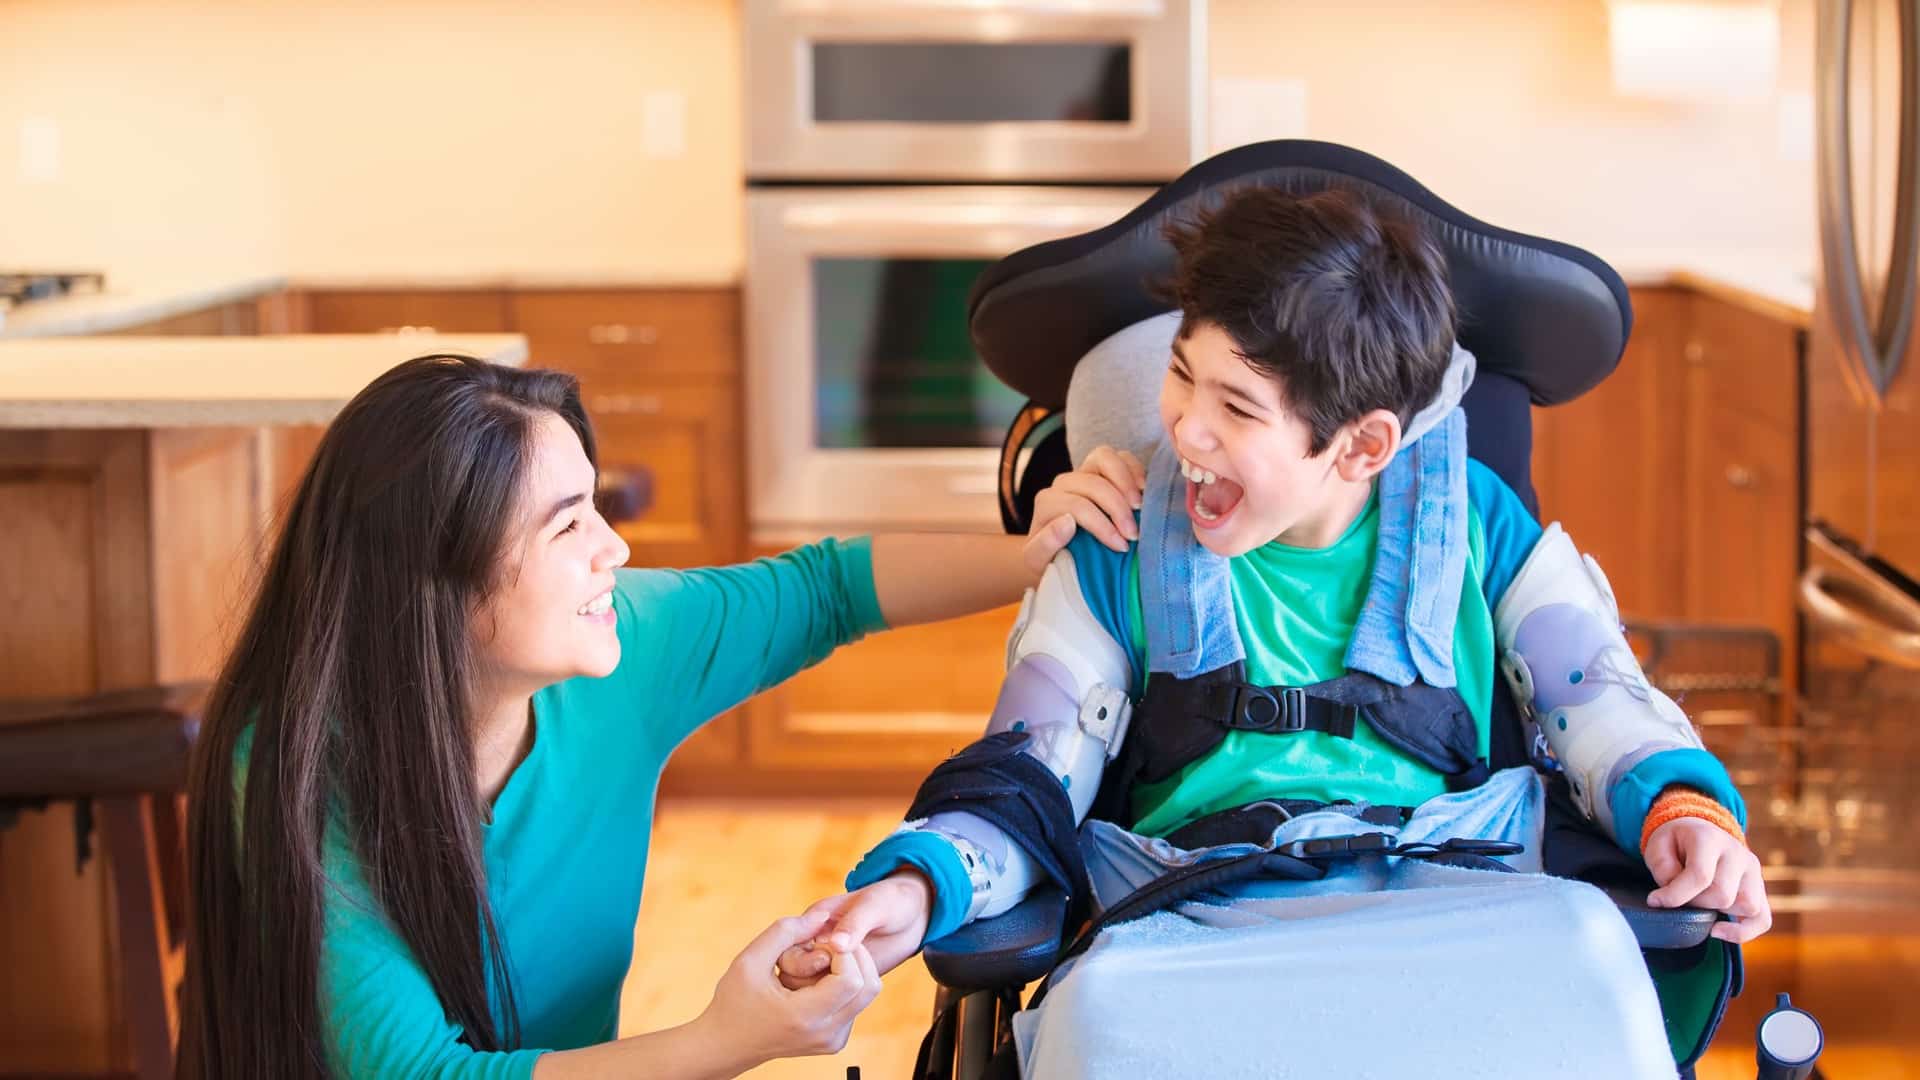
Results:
<point x="371" y="311"/>
<point x="128" y="552"/>
<point x="1608" y="466"/>
<point x="1682" y="473"/>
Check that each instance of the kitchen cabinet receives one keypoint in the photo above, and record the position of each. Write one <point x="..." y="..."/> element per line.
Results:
<point x="1682" y="473"/>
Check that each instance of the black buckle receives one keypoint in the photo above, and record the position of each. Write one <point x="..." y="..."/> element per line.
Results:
<point x="1339" y="847"/>
<point x="1257" y="708"/>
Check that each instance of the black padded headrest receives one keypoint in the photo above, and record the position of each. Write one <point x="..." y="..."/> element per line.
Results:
<point x="1549" y="315"/>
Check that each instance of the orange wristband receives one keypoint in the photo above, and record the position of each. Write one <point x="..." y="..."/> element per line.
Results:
<point x="1679" y="801"/>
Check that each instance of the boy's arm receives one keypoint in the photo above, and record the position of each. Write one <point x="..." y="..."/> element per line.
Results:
<point x="1633" y="757"/>
<point x="1064" y="704"/>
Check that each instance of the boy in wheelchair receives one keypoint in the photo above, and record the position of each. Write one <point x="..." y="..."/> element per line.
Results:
<point x="1297" y="653"/>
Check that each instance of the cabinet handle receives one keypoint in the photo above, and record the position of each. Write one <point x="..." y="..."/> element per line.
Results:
<point x="408" y="330"/>
<point x="632" y="404"/>
<point x="1696" y="353"/>
<point x="1742" y="477"/>
<point x="622" y="334"/>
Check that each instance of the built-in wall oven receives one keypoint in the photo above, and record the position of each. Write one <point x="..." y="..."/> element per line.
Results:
<point x="895" y="148"/>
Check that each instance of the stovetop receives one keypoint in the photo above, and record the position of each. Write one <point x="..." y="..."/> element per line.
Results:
<point x="18" y="288"/>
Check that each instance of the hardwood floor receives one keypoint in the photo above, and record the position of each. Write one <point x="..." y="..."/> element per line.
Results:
<point x="722" y="870"/>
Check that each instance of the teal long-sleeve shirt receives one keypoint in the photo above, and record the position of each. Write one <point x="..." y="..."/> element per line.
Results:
<point x="566" y="850"/>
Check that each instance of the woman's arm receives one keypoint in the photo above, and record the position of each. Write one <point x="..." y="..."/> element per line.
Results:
<point x="926" y="577"/>
<point x="751" y="1020"/>
<point x="383" y="1018"/>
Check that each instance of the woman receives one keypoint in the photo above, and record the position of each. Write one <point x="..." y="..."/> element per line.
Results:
<point x="423" y="791"/>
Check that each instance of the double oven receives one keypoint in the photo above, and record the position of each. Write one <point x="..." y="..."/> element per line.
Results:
<point x="895" y="148"/>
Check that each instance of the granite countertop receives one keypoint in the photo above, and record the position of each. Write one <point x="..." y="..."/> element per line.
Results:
<point x="122" y="305"/>
<point x="240" y="381"/>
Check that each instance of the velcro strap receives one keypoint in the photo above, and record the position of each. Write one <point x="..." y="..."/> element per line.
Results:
<point x="994" y="780"/>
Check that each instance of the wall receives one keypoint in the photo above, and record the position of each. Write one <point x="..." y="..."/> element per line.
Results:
<point x="1506" y="109"/>
<point x="418" y="138"/>
<point x="429" y="138"/>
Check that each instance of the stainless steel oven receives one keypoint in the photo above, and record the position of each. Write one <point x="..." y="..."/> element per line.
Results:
<point x="1021" y="90"/>
<point x="867" y="406"/>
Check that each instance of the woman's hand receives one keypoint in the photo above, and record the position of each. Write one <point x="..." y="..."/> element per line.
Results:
<point x="760" y="1019"/>
<point x="1697" y="863"/>
<point x="1100" y="496"/>
<point x="888" y="918"/>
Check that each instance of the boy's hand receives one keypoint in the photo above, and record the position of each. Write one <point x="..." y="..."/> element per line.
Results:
<point x="1699" y="864"/>
<point x="889" y="917"/>
<point x="1100" y="496"/>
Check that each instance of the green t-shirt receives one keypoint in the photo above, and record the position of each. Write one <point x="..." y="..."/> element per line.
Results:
<point x="566" y="851"/>
<point x="1296" y="609"/>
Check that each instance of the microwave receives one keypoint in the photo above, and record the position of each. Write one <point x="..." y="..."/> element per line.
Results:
<point x="974" y="90"/>
<point x="867" y="407"/>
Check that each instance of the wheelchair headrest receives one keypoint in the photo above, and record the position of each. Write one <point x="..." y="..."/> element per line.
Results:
<point x="1550" y="316"/>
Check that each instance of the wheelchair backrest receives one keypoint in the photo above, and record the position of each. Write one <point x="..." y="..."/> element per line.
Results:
<point x="1546" y="321"/>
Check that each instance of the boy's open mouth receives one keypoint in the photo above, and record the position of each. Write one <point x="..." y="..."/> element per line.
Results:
<point x="1211" y="498"/>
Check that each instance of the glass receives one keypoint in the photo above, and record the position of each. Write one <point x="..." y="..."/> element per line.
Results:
<point x="896" y="367"/>
<point x="972" y="83"/>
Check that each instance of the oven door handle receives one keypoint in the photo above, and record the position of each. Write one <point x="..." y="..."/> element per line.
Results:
<point x="1864" y="622"/>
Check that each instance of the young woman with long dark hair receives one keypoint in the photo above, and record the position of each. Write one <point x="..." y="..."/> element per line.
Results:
<point x="422" y="795"/>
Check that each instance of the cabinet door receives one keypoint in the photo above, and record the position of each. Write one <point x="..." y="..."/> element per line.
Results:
<point x="886" y="710"/>
<point x="607" y="337"/>
<point x="1609" y="466"/>
<point x="1744" y="487"/>
<point x="685" y="433"/>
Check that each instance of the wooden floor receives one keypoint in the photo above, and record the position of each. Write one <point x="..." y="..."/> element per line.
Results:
<point x="721" y="870"/>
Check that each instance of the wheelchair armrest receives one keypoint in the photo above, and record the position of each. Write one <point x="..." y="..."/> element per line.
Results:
<point x="1661" y="928"/>
<point x="1011" y="949"/>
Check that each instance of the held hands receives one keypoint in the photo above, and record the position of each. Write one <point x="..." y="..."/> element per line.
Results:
<point x="1100" y="496"/>
<point x="1700" y="864"/>
<point x="887" y="919"/>
<point x="763" y="1020"/>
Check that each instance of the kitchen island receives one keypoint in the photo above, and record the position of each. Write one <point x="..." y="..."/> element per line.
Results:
<point x="138" y="487"/>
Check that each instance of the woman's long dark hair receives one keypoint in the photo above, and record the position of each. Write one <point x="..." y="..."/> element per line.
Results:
<point x="353" y="671"/>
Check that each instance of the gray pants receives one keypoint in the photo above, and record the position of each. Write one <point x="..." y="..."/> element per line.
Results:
<point x="1386" y="968"/>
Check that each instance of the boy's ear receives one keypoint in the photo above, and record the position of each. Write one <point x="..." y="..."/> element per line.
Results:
<point x="1367" y="445"/>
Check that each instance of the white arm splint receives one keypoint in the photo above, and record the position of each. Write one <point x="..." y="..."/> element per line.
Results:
<point x="1566" y="657"/>
<point x="1066" y="685"/>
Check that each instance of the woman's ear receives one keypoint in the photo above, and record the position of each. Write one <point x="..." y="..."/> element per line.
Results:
<point x="1367" y="444"/>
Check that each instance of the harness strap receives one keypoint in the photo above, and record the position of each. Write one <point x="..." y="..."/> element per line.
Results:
<point x="1016" y="791"/>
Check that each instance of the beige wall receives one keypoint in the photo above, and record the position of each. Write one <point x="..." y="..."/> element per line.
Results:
<point x="1506" y="109"/>
<point x="425" y="137"/>
<point x="431" y="137"/>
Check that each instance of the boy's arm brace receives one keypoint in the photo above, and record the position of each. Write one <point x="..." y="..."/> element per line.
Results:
<point x="1066" y="691"/>
<point x="1621" y="742"/>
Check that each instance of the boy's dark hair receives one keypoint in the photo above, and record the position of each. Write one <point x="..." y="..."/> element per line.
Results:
<point x="1343" y="305"/>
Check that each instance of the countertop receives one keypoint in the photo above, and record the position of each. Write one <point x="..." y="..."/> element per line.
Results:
<point x="1778" y="286"/>
<point x="239" y="381"/>
<point x="122" y="305"/>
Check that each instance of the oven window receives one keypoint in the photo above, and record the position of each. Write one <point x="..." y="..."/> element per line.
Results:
<point x="972" y="83"/>
<point x="895" y="365"/>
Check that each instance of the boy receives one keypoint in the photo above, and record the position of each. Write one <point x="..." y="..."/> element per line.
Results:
<point x="1305" y="628"/>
